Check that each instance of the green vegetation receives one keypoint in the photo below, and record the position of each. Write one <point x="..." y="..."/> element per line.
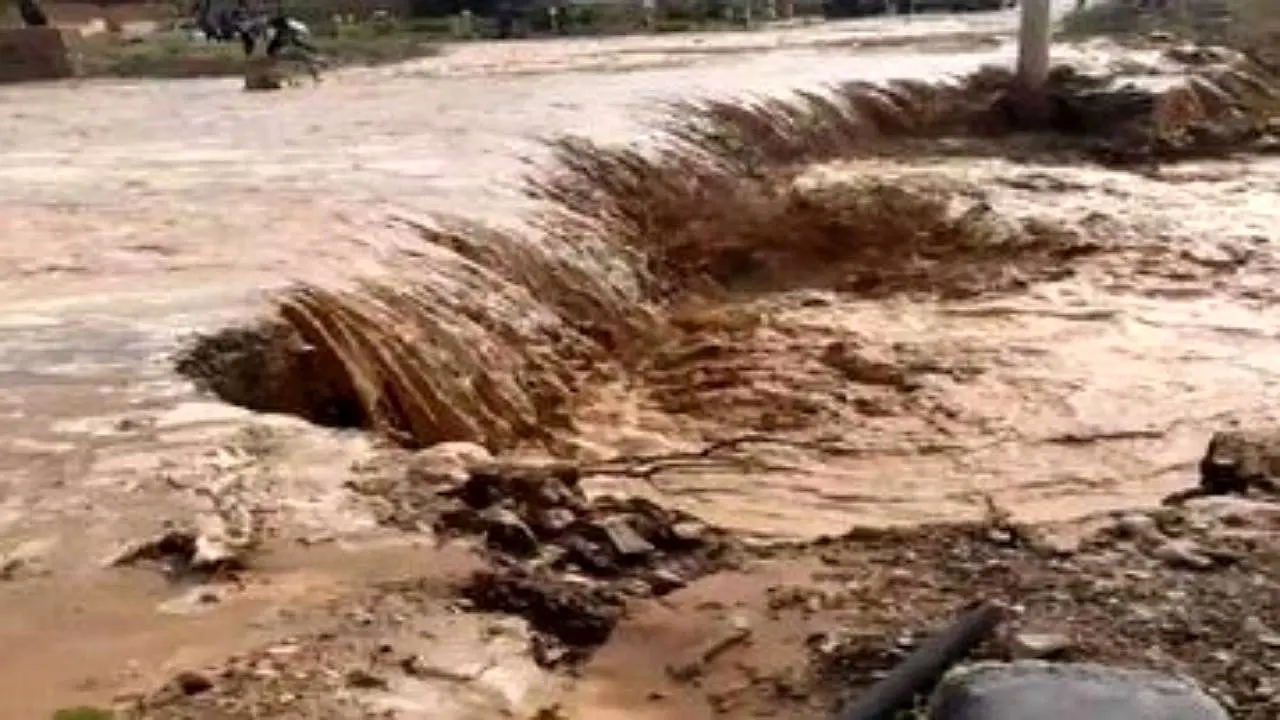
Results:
<point x="173" y="55"/>
<point x="84" y="713"/>
<point x="1252" y="26"/>
<point x="374" y="41"/>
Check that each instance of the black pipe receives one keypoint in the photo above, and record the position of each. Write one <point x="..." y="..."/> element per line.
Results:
<point x="924" y="668"/>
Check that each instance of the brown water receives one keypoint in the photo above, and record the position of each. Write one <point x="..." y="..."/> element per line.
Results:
<point x="135" y="212"/>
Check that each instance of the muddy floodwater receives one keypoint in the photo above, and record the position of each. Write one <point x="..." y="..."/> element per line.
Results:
<point x="134" y="213"/>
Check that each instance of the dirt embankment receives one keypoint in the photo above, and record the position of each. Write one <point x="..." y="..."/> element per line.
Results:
<point x="658" y="614"/>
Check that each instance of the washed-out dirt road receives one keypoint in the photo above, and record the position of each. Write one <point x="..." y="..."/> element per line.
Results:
<point x="134" y="213"/>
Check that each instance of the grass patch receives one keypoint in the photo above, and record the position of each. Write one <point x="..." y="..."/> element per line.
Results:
<point x="83" y="713"/>
<point x="173" y="55"/>
<point x="1251" y="26"/>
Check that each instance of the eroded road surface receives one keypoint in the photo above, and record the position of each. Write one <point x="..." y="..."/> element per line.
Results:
<point x="134" y="213"/>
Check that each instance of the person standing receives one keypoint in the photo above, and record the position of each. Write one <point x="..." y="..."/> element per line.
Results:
<point x="506" y="19"/>
<point x="289" y="39"/>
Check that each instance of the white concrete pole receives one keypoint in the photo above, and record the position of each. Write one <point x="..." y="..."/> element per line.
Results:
<point x="1034" y="35"/>
<point x="1033" y="44"/>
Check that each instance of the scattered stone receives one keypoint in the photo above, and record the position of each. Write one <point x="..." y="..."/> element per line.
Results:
<point x="1183" y="554"/>
<point x="1056" y="544"/>
<point x="664" y="582"/>
<point x="566" y="563"/>
<point x="588" y="556"/>
<point x="1139" y="527"/>
<point x="507" y="532"/>
<point x="1237" y="462"/>
<point x="10" y="567"/>
<point x="1035" y="689"/>
<point x="364" y="680"/>
<point x="1039" y="646"/>
<point x="864" y="366"/>
<point x="552" y="522"/>
<point x="552" y="712"/>
<point x="1261" y="632"/>
<point x="580" y="615"/>
<point x="549" y="652"/>
<point x="707" y="653"/>
<point x="535" y="486"/>
<point x="183" y="554"/>
<point x="196" y="599"/>
<point x="413" y="666"/>
<point x="689" y="531"/>
<point x="447" y="462"/>
<point x="622" y="538"/>
<point x="1267" y="145"/>
<point x="192" y="683"/>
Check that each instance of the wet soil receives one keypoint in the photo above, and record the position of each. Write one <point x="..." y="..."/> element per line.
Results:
<point x="830" y="618"/>
<point x="797" y="630"/>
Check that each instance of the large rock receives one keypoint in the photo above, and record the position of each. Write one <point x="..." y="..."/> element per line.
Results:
<point x="36" y="53"/>
<point x="1239" y="461"/>
<point x="263" y="74"/>
<point x="447" y="462"/>
<point x="1036" y="690"/>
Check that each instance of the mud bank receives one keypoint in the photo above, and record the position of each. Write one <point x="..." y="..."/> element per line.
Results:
<point x="622" y="594"/>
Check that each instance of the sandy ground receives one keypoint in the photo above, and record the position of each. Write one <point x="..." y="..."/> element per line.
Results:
<point x="135" y="213"/>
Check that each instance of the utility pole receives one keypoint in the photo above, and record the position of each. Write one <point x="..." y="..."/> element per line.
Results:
<point x="1034" y="34"/>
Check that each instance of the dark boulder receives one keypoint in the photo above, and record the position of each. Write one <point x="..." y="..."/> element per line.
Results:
<point x="1036" y="690"/>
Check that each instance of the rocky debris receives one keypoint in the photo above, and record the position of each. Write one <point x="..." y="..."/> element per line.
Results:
<point x="192" y="683"/>
<point x="864" y="365"/>
<point x="870" y="595"/>
<point x="1193" y="54"/>
<point x="186" y="684"/>
<point x="26" y="559"/>
<point x="529" y="487"/>
<point x="263" y="75"/>
<point x="578" y="614"/>
<point x="506" y="531"/>
<point x="1039" y="646"/>
<point x="1190" y="537"/>
<point x="693" y="667"/>
<point x="1031" y="689"/>
<point x="372" y="654"/>
<point x="1238" y="462"/>
<point x="184" y="554"/>
<point x="567" y="563"/>
<point x="446" y="462"/>
<point x="1210" y="108"/>
<point x="542" y="516"/>
<point x="1260" y="631"/>
<point x="1184" y="554"/>
<point x="854" y="607"/>
<point x="363" y="679"/>
<point x="561" y="560"/>
<point x="842" y="662"/>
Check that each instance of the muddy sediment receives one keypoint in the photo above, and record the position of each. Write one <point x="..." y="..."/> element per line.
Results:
<point x="787" y="630"/>
<point x="565" y="562"/>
